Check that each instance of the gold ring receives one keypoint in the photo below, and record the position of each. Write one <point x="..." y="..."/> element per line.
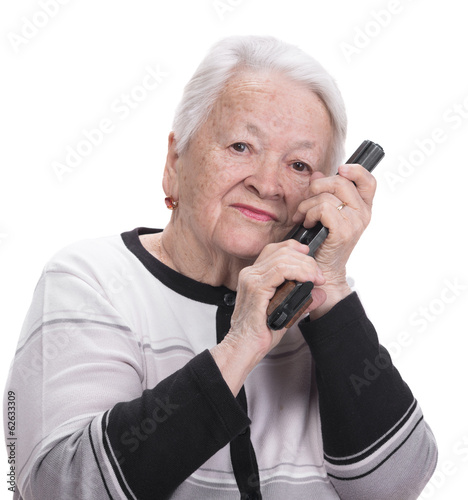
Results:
<point x="340" y="207"/>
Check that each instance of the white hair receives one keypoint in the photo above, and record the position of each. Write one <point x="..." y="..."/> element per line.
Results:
<point x="256" y="53"/>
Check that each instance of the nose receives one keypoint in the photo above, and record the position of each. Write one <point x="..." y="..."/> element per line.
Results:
<point x="265" y="179"/>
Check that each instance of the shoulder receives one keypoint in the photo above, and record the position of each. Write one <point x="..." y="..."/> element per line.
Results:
<point x="89" y="257"/>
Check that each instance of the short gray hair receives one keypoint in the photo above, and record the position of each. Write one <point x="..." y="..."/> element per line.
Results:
<point x="256" y="53"/>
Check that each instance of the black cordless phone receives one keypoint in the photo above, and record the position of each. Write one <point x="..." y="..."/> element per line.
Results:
<point x="292" y="298"/>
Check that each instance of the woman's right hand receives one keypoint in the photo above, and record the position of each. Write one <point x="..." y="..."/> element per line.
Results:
<point x="250" y="339"/>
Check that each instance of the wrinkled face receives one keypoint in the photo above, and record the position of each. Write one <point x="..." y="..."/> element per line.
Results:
<point x="248" y="167"/>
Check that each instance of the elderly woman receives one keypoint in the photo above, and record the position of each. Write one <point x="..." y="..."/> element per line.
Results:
<point x="146" y="369"/>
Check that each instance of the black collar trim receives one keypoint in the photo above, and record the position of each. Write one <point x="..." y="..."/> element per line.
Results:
<point x="181" y="284"/>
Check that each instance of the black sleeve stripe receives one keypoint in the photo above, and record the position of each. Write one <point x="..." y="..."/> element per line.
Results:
<point x="115" y="466"/>
<point x="98" y="464"/>
<point x="380" y="463"/>
<point x="373" y="448"/>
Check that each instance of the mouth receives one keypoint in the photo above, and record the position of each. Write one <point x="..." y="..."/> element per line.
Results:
<point x="255" y="213"/>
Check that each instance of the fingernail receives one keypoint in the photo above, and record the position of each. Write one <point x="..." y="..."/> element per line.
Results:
<point x="344" y="169"/>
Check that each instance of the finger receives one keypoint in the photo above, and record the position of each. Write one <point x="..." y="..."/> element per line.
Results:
<point x="365" y="182"/>
<point x="273" y="272"/>
<point x="325" y="208"/>
<point x="342" y="188"/>
<point x="310" y="211"/>
<point x="285" y="246"/>
<point x="346" y="222"/>
<point x="317" y="175"/>
<point x="270" y="271"/>
<point x="319" y="297"/>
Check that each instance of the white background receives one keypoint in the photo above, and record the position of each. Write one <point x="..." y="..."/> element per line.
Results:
<point x="401" y="82"/>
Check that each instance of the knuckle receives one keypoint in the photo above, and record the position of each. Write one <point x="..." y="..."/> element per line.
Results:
<point x="366" y="220"/>
<point x="243" y="272"/>
<point x="316" y="207"/>
<point x="331" y="200"/>
<point x="245" y="275"/>
<point x="310" y="266"/>
<point x="314" y="185"/>
<point x="372" y="182"/>
<point x="340" y="181"/>
<point x="288" y="244"/>
<point x="248" y="282"/>
<point x="268" y="248"/>
<point x="280" y="267"/>
<point x="348" y="233"/>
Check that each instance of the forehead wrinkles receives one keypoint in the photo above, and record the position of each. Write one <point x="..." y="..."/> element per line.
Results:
<point x="275" y="101"/>
<point x="253" y="93"/>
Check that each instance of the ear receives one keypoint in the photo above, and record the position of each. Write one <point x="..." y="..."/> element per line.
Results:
<point x="170" y="178"/>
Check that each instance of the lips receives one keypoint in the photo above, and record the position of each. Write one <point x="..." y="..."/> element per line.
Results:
<point x="255" y="213"/>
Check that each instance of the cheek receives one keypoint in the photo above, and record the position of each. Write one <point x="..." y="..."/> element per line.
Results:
<point x="195" y="179"/>
<point x="298" y="192"/>
<point x="215" y="176"/>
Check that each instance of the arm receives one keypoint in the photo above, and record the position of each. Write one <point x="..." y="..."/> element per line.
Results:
<point x="376" y="442"/>
<point x="249" y="339"/>
<point x="86" y="428"/>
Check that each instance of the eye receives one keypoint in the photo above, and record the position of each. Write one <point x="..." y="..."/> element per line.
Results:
<point x="240" y="147"/>
<point x="300" y="166"/>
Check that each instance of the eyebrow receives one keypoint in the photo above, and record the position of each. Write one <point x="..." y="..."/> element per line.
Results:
<point x="303" y="145"/>
<point x="253" y="129"/>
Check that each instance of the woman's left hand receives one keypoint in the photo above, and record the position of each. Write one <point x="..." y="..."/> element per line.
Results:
<point x="345" y="225"/>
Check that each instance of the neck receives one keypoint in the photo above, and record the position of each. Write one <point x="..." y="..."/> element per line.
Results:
<point x="189" y="256"/>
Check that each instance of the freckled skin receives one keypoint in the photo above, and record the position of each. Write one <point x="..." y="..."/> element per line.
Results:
<point x="281" y="122"/>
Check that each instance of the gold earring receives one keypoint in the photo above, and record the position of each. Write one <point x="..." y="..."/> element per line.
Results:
<point x="171" y="204"/>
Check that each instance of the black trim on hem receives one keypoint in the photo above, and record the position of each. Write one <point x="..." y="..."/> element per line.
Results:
<point x="97" y="462"/>
<point x="361" y="456"/>
<point x="382" y="462"/>
<point x="110" y="457"/>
